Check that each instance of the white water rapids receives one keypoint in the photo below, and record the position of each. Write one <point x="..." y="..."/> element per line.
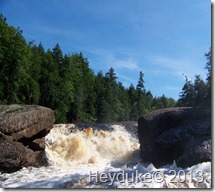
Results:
<point x="91" y="158"/>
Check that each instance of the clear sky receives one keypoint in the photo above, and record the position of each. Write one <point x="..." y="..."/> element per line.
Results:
<point x="164" y="38"/>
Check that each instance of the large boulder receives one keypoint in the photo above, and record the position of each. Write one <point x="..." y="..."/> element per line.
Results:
<point x="182" y="134"/>
<point x="22" y="132"/>
<point x="14" y="155"/>
<point x="197" y="150"/>
<point x="25" y="121"/>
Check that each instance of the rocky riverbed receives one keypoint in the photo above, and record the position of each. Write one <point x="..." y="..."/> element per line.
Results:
<point x="168" y="148"/>
<point x="105" y="157"/>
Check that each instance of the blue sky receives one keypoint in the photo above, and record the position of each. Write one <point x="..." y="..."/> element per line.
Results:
<point x="163" y="38"/>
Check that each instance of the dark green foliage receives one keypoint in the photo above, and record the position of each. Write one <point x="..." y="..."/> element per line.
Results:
<point x="140" y="85"/>
<point x="197" y="93"/>
<point x="83" y="106"/>
<point x="66" y="84"/>
<point x="132" y="95"/>
<point x="122" y="105"/>
<point x="163" y="102"/>
<point x="208" y="67"/>
<point x="140" y="96"/>
<point x="17" y="83"/>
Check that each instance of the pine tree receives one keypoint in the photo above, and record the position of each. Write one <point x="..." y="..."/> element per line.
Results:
<point x="89" y="94"/>
<point x="209" y="83"/>
<point x="100" y="104"/>
<point x="111" y="96"/>
<point x="49" y="81"/>
<point x="197" y="93"/>
<point x="13" y="64"/>
<point x="36" y="55"/>
<point x="187" y="96"/>
<point x="208" y="65"/>
<point x="141" y="105"/>
<point x="83" y="106"/>
<point x="200" y="91"/>
<point x="148" y="101"/>
<point x="122" y="105"/>
<point x="132" y="94"/>
<point x="140" y="85"/>
<point x="66" y="84"/>
<point x="57" y="54"/>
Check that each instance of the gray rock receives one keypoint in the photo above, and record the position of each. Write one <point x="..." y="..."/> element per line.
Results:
<point x="37" y="144"/>
<point x="25" y="121"/>
<point x="197" y="150"/>
<point x="15" y="155"/>
<point x="171" y="134"/>
<point x="22" y="132"/>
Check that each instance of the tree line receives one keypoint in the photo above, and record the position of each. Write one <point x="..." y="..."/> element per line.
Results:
<point x="197" y="93"/>
<point x="29" y="74"/>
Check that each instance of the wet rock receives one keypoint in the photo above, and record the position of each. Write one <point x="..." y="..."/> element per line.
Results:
<point x="37" y="144"/>
<point x="15" y="155"/>
<point x="22" y="132"/>
<point x="175" y="134"/>
<point x="198" y="150"/>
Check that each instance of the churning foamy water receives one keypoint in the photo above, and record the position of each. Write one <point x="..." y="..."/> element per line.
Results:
<point x="67" y="146"/>
<point x="92" y="158"/>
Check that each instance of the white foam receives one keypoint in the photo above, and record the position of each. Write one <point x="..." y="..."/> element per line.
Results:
<point x="76" y="156"/>
<point x="65" y="148"/>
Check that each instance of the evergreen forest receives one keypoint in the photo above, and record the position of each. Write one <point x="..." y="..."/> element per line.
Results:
<point x="31" y="75"/>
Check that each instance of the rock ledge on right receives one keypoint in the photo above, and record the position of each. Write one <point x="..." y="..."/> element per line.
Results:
<point x="182" y="134"/>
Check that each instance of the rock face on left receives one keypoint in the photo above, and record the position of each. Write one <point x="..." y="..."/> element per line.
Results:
<point x="22" y="132"/>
